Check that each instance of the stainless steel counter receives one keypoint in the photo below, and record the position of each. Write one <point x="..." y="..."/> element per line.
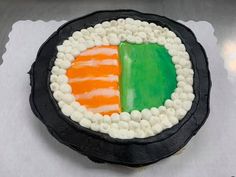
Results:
<point x="220" y="13"/>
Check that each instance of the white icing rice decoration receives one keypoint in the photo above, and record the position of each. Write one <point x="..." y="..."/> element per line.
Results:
<point x="137" y="124"/>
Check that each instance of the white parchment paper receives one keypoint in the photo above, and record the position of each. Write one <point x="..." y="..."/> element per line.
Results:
<point x="27" y="149"/>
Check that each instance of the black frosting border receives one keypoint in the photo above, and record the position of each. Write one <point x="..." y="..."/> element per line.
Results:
<point x="101" y="147"/>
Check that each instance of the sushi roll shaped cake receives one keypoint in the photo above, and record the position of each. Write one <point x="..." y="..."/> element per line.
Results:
<point x="125" y="80"/>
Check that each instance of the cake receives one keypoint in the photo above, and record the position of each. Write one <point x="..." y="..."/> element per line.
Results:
<point x="122" y="86"/>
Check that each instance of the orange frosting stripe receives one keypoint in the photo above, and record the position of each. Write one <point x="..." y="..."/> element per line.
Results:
<point x="101" y="70"/>
<point x="97" y="57"/>
<point x="86" y="86"/>
<point x="99" y="101"/>
<point x="99" y="53"/>
<point x="98" y="95"/>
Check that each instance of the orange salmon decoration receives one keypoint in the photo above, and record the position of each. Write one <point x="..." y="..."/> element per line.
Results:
<point x="94" y="78"/>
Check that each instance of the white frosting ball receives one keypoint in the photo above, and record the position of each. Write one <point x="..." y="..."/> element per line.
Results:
<point x="123" y="125"/>
<point x="60" y="55"/>
<point x="134" y="125"/>
<point x="100" y="31"/>
<point x="136" y="115"/>
<point x="113" y="39"/>
<point x="68" y="49"/>
<point x="97" y="118"/>
<point x="169" y="103"/>
<point x="104" y="127"/>
<point x="75" y="105"/>
<point x="89" y="115"/>
<point x="77" y="35"/>
<point x="177" y="103"/>
<point x="106" y="24"/>
<point x="142" y="35"/>
<point x="188" y="88"/>
<point x="64" y="64"/>
<point x="170" y="111"/>
<point x="148" y="132"/>
<point x="65" y="88"/>
<point x="58" y="95"/>
<point x="187" y="105"/>
<point x="114" y="133"/>
<point x="114" y="126"/>
<point x="85" y="32"/>
<point x="61" y="79"/>
<point x="67" y="110"/>
<point x="61" y="104"/>
<point x="180" y="78"/>
<point x="107" y="119"/>
<point x="153" y="120"/>
<point x="130" y="134"/>
<point x="85" y="123"/>
<point x="69" y="57"/>
<point x="146" y="114"/>
<point x="155" y="111"/>
<point x="76" y="116"/>
<point x="124" y="116"/>
<point x="189" y="80"/>
<point x="61" y="48"/>
<point x="173" y="120"/>
<point x="180" y="113"/>
<point x="90" y="43"/>
<point x="82" y="109"/>
<point x="54" y="86"/>
<point x="191" y="96"/>
<point x="166" y="123"/>
<point x="68" y="98"/>
<point x="139" y="133"/>
<point x="157" y="128"/>
<point x="162" y="109"/>
<point x="95" y="127"/>
<point x="105" y="41"/>
<point x="115" y="117"/>
<point x="55" y="70"/>
<point x="145" y="124"/>
<point x="74" y="52"/>
<point x="53" y="78"/>
<point x="122" y="134"/>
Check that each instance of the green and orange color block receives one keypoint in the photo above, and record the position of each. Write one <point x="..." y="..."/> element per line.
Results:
<point x="109" y="79"/>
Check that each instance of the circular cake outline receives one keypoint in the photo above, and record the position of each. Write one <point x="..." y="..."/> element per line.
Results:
<point x="172" y="52"/>
<point x="193" y="124"/>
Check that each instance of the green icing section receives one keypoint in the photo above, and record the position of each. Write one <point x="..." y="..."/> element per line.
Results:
<point x="148" y="76"/>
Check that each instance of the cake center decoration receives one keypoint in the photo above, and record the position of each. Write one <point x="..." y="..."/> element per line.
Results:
<point x="148" y="76"/>
<point x="94" y="78"/>
<point x="114" y="79"/>
<point x="126" y="78"/>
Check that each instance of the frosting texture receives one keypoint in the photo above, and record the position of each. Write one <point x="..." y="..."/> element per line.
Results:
<point x="137" y="123"/>
<point x="148" y="76"/>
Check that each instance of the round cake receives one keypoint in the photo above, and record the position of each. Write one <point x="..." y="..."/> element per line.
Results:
<point x="121" y="86"/>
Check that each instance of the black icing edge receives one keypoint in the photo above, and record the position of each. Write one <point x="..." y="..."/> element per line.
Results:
<point x="101" y="147"/>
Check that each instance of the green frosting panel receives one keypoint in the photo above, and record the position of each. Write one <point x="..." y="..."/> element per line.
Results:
<point x="148" y="75"/>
